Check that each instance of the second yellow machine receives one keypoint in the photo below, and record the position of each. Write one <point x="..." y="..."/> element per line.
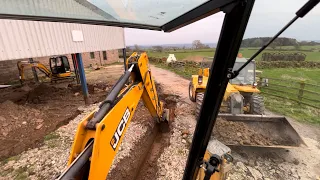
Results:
<point x="241" y="95"/>
<point x="59" y="68"/>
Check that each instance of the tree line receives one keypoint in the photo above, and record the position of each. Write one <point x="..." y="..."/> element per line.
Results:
<point x="196" y="44"/>
<point x="281" y="41"/>
<point x="249" y="42"/>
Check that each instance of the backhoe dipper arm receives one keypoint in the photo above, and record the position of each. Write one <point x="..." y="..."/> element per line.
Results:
<point x="100" y="133"/>
<point x="25" y="64"/>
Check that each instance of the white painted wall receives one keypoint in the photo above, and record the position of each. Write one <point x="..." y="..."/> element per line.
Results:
<point x="24" y="39"/>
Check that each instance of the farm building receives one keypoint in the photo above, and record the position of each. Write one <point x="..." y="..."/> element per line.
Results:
<point x="24" y="39"/>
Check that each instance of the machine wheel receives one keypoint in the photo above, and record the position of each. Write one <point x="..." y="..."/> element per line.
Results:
<point x="193" y="99"/>
<point x="199" y="101"/>
<point x="256" y="104"/>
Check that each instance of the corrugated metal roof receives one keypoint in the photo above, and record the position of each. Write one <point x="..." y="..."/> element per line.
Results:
<point x="24" y="39"/>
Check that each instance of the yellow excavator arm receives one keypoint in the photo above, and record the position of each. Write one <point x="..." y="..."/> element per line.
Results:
<point x="25" y="64"/>
<point x="100" y="133"/>
<point x="58" y="72"/>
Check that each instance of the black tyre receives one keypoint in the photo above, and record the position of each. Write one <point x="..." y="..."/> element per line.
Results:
<point x="256" y="104"/>
<point x="199" y="100"/>
<point x="193" y="99"/>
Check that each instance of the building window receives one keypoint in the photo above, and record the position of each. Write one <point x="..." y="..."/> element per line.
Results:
<point x="92" y="55"/>
<point x="104" y="53"/>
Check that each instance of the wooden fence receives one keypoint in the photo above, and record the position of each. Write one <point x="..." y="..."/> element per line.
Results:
<point x="297" y="91"/>
<point x="293" y="90"/>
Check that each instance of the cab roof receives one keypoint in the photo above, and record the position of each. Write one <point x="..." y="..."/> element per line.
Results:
<point x="166" y="15"/>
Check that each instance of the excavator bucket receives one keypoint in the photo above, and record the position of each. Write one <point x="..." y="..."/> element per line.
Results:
<point x="166" y="115"/>
<point x="165" y="121"/>
<point x="257" y="131"/>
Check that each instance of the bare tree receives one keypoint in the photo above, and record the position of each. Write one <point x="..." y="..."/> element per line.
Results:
<point x="196" y="44"/>
<point x="128" y="49"/>
<point x="257" y="43"/>
<point x="136" y="48"/>
<point x="297" y="46"/>
<point x="157" y="48"/>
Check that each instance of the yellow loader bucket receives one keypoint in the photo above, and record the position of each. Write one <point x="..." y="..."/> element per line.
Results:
<point x="256" y="131"/>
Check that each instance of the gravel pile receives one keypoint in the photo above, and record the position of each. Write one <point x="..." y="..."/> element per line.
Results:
<point x="265" y="169"/>
<point x="172" y="161"/>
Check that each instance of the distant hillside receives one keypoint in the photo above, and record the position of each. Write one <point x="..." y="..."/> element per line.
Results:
<point x="309" y="43"/>
<point x="260" y="41"/>
<point x="317" y="41"/>
<point x="281" y="41"/>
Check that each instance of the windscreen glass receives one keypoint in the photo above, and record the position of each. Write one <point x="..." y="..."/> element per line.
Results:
<point x="150" y="12"/>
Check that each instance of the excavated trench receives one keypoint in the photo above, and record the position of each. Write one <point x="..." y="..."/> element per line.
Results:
<point x="141" y="163"/>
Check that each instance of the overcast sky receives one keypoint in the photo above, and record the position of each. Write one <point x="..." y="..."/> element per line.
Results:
<point x="268" y="16"/>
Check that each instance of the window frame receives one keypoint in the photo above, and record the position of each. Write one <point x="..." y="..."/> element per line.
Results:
<point x="104" y="55"/>
<point x="92" y="56"/>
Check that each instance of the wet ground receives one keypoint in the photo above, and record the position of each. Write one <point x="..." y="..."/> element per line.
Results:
<point x="30" y="112"/>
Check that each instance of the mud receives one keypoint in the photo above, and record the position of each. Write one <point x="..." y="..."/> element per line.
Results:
<point x="16" y="124"/>
<point x="238" y="133"/>
<point x="33" y="111"/>
<point x="149" y="168"/>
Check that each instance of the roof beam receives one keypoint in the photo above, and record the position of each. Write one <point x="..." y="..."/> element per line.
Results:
<point x="78" y="21"/>
<point x="200" y="12"/>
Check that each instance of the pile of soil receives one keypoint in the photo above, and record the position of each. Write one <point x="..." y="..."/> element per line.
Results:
<point x="43" y="93"/>
<point x="238" y="133"/>
<point x="15" y="116"/>
<point x="33" y="112"/>
<point x="13" y="93"/>
<point x="17" y="124"/>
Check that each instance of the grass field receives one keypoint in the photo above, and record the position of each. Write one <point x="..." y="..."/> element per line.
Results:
<point x="184" y="54"/>
<point x="247" y="52"/>
<point x="311" y="56"/>
<point x="287" y="82"/>
<point x="296" y="74"/>
<point x="288" y="108"/>
<point x="288" y="86"/>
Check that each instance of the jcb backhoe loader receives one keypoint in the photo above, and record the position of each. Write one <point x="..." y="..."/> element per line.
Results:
<point x="100" y="133"/>
<point x="59" y="68"/>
